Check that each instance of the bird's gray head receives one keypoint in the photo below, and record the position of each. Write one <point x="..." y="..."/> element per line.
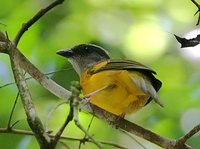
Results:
<point x="84" y="55"/>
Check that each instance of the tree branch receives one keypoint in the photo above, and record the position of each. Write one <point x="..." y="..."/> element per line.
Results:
<point x="32" y="117"/>
<point x="74" y="104"/>
<point x="61" y="92"/>
<point x="10" y="48"/>
<point x="35" y="18"/>
<point x="28" y="78"/>
<point x="30" y="133"/>
<point x="133" y="138"/>
<point x="198" y="6"/>
<point x="3" y="43"/>
<point x="50" y="114"/>
<point x="45" y="81"/>
<point x="189" y="134"/>
<point x="12" y="111"/>
<point x="41" y="78"/>
<point x="60" y="131"/>
<point x="19" y="60"/>
<point x="137" y="130"/>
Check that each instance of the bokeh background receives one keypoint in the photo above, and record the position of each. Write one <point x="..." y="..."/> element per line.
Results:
<point x="140" y="30"/>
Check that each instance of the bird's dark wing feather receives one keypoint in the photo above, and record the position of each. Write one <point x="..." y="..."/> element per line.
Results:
<point x="116" y="64"/>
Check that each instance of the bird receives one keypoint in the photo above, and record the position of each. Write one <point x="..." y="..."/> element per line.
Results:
<point x="118" y="86"/>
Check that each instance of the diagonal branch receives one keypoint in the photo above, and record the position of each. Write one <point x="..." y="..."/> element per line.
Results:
<point x="45" y="81"/>
<point x="12" y="111"/>
<point x="35" y="18"/>
<point x="32" y="117"/>
<point x="198" y="6"/>
<point x="196" y="3"/>
<point x="189" y="134"/>
<point x="32" y="70"/>
<point x="137" y="130"/>
<point x="132" y="137"/>
<point x="28" y="78"/>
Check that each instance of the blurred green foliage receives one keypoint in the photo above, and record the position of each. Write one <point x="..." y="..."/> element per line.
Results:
<point x="140" y="30"/>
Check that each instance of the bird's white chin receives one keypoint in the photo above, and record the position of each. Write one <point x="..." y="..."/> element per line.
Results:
<point x="76" y="66"/>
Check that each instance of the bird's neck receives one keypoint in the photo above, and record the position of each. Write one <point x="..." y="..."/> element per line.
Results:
<point x="80" y="65"/>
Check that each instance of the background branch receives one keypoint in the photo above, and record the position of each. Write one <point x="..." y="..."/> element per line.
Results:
<point x="28" y="78"/>
<point x="133" y="138"/>
<point x="198" y="6"/>
<point x="12" y="111"/>
<point x="35" y="18"/>
<point x="30" y="133"/>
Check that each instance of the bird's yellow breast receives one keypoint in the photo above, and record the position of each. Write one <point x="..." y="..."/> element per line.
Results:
<point x="120" y="96"/>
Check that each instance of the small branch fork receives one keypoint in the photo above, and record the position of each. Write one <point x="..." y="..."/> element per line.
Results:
<point x="186" y="137"/>
<point x="198" y="11"/>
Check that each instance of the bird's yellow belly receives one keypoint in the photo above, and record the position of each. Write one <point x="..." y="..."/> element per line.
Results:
<point x="120" y="94"/>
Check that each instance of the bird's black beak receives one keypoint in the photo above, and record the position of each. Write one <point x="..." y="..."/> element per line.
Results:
<point x="66" y="53"/>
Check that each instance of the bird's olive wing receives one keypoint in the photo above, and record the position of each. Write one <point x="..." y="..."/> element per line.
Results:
<point x="116" y="64"/>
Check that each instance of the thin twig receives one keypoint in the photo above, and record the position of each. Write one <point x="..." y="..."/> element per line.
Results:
<point x="12" y="111"/>
<point x="76" y="90"/>
<point x="74" y="105"/>
<point x="28" y="78"/>
<point x="78" y="124"/>
<point x="84" y="138"/>
<point x="64" y="144"/>
<point x="192" y="132"/>
<point x="111" y="144"/>
<point x="198" y="20"/>
<point x="34" y="19"/>
<point x="198" y="11"/>
<point x="3" y="24"/>
<point x="30" y="133"/>
<point x="50" y="114"/>
<point x="60" y="131"/>
<point x="194" y="2"/>
<point x="133" y="138"/>
<point x="44" y="80"/>
<point x="14" y="123"/>
<point x="11" y="83"/>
